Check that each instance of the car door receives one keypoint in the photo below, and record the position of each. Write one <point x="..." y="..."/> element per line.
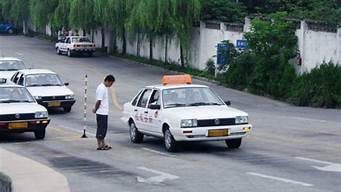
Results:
<point x="65" y="44"/>
<point x="154" y="123"/>
<point x="141" y="111"/>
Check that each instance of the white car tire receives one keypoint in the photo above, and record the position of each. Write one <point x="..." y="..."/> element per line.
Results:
<point x="170" y="143"/>
<point x="135" y="135"/>
<point x="58" y="51"/>
<point x="233" y="143"/>
<point x="69" y="53"/>
<point x="10" y="31"/>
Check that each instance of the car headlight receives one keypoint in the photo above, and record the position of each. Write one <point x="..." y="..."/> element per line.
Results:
<point x="69" y="97"/>
<point x="187" y="123"/>
<point x="41" y="114"/>
<point x="242" y="119"/>
<point x="37" y="97"/>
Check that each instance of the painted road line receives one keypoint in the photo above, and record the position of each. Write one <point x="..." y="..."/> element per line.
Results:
<point x="308" y="119"/>
<point x="280" y="179"/>
<point x="161" y="176"/>
<point x="19" y="53"/>
<point x="158" y="152"/>
<point x="329" y="166"/>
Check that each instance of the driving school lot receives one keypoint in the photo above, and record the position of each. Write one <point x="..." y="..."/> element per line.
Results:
<point x="290" y="148"/>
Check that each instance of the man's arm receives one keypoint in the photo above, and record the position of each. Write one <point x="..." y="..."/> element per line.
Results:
<point x="98" y="103"/>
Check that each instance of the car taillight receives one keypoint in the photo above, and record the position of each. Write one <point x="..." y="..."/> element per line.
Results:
<point x="74" y="46"/>
<point x="93" y="45"/>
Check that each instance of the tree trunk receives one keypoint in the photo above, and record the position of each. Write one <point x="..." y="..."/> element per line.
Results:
<point x="182" y="59"/>
<point x="166" y="50"/>
<point x="151" y="47"/>
<point x="103" y="37"/>
<point x="124" y="43"/>
<point x="110" y="49"/>
<point x="138" y="43"/>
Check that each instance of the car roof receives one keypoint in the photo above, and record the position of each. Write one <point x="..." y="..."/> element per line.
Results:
<point x="36" y="71"/>
<point x="75" y="36"/>
<point x="174" y="86"/>
<point x="10" y="85"/>
<point x="9" y="59"/>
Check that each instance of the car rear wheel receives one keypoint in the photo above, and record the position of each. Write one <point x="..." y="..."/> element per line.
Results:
<point x="233" y="143"/>
<point x="90" y="54"/>
<point x="135" y="135"/>
<point x="170" y="143"/>
<point x="10" y="31"/>
<point x="67" y="109"/>
<point x="40" y="134"/>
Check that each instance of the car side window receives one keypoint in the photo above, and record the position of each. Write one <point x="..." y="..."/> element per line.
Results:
<point x="14" y="77"/>
<point x="67" y="40"/>
<point x="21" y="80"/>
<point x="155" y="98"/>
<point x="144" y="98"/>
<point x="136" y="98"/>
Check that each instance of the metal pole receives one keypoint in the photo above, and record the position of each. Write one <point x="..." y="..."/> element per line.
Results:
<point x="85" y="105"/>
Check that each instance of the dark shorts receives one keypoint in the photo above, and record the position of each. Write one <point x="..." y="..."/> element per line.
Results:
<point x="102" y="126"/>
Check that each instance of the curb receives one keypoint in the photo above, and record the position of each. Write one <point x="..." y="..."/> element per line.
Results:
<point x="5" y="183"/>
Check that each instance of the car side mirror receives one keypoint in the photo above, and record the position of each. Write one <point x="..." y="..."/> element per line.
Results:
<point x="66" y="84"/>
<point x="228" y="103"/>
<point x="155" y="107"/>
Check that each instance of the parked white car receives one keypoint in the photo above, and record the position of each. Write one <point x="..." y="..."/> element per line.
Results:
<point x="19" y="111"/>
<point x="179" y="111"/>
<point x="75" y="45"/>
<point x="10" y="65"/>
<point x="46" y="87"/>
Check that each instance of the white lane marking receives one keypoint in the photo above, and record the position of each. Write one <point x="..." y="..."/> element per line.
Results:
<point x="280" y="179"/>
<point x="157" y="152"/>
<point x="19" y="53"/>
<point x="308" y="119"/>
<point x="161" y="176"/>
<point x="330" y="167"/>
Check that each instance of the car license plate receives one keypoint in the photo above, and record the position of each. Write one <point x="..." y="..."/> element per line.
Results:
<point x="218" y="133"/>
<point x="17" y="125"/>
<point x="54" y="104"/>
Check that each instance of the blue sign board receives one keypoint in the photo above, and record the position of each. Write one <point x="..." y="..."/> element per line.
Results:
<point x="241" y="44"/>
<point x="222" y="53"/>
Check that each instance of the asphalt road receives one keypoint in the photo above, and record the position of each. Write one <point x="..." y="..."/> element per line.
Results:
<point x="290" y="149"/>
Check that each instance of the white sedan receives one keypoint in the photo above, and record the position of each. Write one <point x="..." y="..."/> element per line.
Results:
<point x="10" y="65"/>
<point x="19" y="112"/>
<point x="179" y="111"/>
<point x="46" y="87"/>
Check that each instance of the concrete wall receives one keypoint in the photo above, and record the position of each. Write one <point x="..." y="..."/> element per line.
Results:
<point x="316" y="44"/>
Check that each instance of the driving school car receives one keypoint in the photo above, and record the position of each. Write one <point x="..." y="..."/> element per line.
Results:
<point x="46" y="87"/>
<point x="19" y="112"/>
<point x="177" y="111"/>
<point x="10" y="65"/>
<point x="75" y="44"/>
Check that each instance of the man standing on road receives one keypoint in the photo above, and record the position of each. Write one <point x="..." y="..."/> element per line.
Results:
<point x="102" y="111"/>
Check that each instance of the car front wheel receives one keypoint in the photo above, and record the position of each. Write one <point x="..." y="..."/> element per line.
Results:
<point x="233" y="143"/>
<point x="69" y="53"/>
<point x="170" y="143"/>
<point x="135" y="135"/>
<point x="58" y="51"/>
<point x="67" y="109"/>
<point x="40" y="134"/>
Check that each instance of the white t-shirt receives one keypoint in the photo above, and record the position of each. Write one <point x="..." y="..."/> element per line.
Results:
<point x="102" y="95"/>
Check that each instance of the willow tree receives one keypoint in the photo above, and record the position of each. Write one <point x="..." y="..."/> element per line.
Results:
<point x="82" y="15"/>
<point x="41" y="12"/>
<point x="186" y="13"/>
<point x="153" y="17"/>
<point x="20" y="12"/>
<point x="6" y="6"/>
<point x="61" y="14"/>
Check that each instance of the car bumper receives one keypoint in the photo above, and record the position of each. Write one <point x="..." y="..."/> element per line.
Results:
<point x="57" y="103"/>
<point x="83" y="50"/>
<point x="29" y="125"/>
<point x="205" y="133"/>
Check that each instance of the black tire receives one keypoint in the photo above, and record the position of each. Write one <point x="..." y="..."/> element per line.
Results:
<point x="40" y="134"/>
<point x="67" y="109"/>
<point x="135" y="135"/>
<point x="90" y="54"/>
<point x="58" y="51"/>
<point x="170" y="143"/>
<point x="11" y="31"/>
<point x="234" y="143"/>
<point x="69" y="53"/>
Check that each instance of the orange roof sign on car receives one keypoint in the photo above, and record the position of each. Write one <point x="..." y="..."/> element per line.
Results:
<point x="176" y="79"/>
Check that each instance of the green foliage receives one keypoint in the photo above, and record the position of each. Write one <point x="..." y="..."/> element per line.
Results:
<point x="41" y="11"/>
<point x="319" y="88"/>
<point x="223" y="10"/>
<point x="61" y="14"/>
<point x="82" y="14"/>
<point x="210" y="67"/>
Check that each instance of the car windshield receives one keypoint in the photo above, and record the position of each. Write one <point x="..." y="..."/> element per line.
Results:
<point x="15" y="95"/>
<point x="81" y="40"/>
<point x="189" y="96"/>
<point x="11" y="65"/>
<point x="38" y="80"/>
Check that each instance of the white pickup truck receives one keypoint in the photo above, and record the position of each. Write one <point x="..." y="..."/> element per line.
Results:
<point x="75" y="45"/>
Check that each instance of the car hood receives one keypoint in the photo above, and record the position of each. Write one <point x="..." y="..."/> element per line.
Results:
<point x="50" y="91"/>
<point x="204" y="112"/>
<point x="15" y="108"/>
<point x="7" y="74"/>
